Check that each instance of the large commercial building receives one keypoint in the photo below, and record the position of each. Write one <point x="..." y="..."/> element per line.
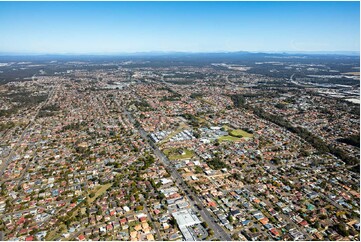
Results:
<point x="186" y="218"/>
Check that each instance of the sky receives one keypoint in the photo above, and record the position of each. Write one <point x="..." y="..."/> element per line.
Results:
<point x="118" y="27"/>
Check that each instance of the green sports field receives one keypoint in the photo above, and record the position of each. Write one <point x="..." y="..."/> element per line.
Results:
<point x="172" y="154"/>
<point x="229" y="138"/>
<point x="240" y="133"/>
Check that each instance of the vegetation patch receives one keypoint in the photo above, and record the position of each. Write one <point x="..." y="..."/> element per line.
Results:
<point x="48" y="111"/>
<point x="53" y="234"/>
<point x="6" y="126"/>
<point x="216" y="164"/>
<point x="193" y="120"/>
<point x="196" y="95"/>
<point x="240" y="133"/>
<point x="141" y="105"/>
<point x="100" y="191"/>
<point x="353" y="140"/>
<point x="229" y="138"/>
<point x="178" y="153"/>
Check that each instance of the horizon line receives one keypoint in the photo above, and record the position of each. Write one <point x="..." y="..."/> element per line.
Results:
<point x="115" y="53"/>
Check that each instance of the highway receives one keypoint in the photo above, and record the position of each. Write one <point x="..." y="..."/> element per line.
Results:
<point x="205" y="214"/>
<point x="293" y="81"/>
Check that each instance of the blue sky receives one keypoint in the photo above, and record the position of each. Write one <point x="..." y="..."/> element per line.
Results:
<point x="111" y="27"/>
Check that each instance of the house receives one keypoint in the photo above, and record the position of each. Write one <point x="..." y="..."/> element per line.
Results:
<point x="123" y="221"/>
<point x="165" y="226"/>
<point x="133" y="234"/>
<point x="116" y="224"/>
<point x="174" y="236"/>
<point x="274" y="232"/>
<point x="102" y="229"/>
<point x="23" y="231"/>
<point x="150" y="237"/>
<point x="29" y="238"/>
<point x="130" y="218"/>
<point x="81" y="237"/>
<point x="235" y="213"/>
<point x="304" y="223"/>
<point x="145" y="225"/>
<point x="229" y="227"/>
<point x="246" y="222"/>
<point x="109" y="227"/>
<point x="264" y="220"/>
<point x="138" y="227"/>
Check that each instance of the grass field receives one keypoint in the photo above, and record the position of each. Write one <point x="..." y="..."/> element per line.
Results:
<point x="201" y="120"/>
<point x="226" y="128"/>
<point x="173" y="154"/>
<point x="99" y="192"/>
<point x="229" y="138"/>
<point x="54" y="233"/>
<point x="240" y="133"/>
<point x="234" y="135"/>
<point x="206" y="101"/>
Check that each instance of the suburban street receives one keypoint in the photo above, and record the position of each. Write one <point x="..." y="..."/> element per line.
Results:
<point x="218" y="231"/>
<point x="26" y="131"/>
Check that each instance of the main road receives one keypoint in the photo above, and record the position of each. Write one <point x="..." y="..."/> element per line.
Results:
<point x="193" y="198"/>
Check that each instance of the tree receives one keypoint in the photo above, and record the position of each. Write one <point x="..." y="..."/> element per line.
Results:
<point x="198" y="169"/>
<point x="253" y="229"/>
<point x="205" y="225"/>
<point x="235" y="236"/>
<point x="342" y="229"/>
<point x="172" y="221"/>
<point x="237" y="176"/>
<point x="238" y="100"/>
<point x="216" y="163"/>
